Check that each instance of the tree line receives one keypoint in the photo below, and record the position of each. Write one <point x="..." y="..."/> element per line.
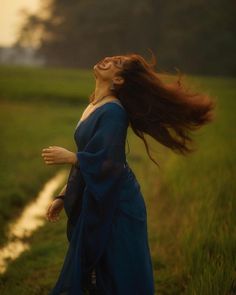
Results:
<point x="195" y="36"/>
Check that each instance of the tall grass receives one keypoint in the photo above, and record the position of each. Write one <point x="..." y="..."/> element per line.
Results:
<point x="196" y="233"/>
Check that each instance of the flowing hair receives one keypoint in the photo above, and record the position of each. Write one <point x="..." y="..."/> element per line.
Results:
<point x="165" y="111"/>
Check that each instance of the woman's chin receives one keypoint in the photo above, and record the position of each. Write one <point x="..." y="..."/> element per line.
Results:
<point x="96" y="69"/>
<point x="96" y="72"/>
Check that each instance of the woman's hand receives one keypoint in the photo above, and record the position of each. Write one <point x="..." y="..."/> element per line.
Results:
<point x="54" y="210"/>
<point x="58" y="155"/>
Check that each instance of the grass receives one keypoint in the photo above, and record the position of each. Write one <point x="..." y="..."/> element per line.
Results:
<point x="48" y="85"/>
<point x="26" y="128"/>
<point x="190" y="201"/>
<point x="196" y="228"/>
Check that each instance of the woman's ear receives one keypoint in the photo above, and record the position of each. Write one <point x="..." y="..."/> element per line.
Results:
<point x="118" y="80"/>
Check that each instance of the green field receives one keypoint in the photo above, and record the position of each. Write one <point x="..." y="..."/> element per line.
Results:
<point x="190" y="201"/>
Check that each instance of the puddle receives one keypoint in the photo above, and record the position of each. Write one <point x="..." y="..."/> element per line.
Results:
<point x="30" y="220"/>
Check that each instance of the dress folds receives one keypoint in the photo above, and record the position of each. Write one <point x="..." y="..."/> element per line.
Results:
<point x="107" y="218"/>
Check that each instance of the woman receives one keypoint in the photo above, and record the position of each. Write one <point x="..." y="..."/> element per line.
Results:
<point x="108" y="251"/>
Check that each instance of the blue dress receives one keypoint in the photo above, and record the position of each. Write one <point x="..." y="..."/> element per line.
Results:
<point x="107" y="218"/>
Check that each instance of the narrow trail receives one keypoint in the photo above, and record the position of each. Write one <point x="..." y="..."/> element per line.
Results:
<point x="32" y="217"/>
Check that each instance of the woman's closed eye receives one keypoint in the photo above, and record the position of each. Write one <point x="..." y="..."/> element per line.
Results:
<point x="118" y="63"/>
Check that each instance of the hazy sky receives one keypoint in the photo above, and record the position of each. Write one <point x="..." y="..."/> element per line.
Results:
<point x="10" y="20"/>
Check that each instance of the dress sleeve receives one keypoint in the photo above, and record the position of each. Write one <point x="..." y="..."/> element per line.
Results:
<point x="101" y="164"/>
<point x="73" y="199"/>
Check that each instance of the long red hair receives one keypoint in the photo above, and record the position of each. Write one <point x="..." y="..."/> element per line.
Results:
<point x="166" y="112"/>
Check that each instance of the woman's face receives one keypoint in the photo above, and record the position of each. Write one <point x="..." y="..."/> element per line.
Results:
<point x="108" y="67"/>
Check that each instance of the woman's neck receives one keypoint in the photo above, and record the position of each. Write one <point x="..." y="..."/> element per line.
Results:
<point x="102" y="88"/>
<point x="104" y="100"/>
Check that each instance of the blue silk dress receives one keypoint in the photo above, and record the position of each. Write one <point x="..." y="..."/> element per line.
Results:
<point x="107" y="218"/>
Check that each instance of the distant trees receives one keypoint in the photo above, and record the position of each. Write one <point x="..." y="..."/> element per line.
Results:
<point x="196" y="36"/>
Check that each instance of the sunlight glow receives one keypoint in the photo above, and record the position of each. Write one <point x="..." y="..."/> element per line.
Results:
<point x="10" y="18"/>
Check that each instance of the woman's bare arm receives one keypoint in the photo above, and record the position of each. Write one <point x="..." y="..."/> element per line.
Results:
<point x="58" y="155"/>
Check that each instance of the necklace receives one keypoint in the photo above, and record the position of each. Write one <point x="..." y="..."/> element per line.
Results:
<point x="100" y="99"/>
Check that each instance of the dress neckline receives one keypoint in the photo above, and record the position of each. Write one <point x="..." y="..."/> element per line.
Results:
<point x="81" y="121"/>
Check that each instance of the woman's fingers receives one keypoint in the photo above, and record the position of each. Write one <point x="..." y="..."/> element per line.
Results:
<point x="48" y="158"/>
<point x="53" y="218"/>
<point x="52" y="214"/>
<point x="55" y="208"/>
<point x="54" y="155"/>
<point x="49" y="151"/>
<point x="48" y="155"/>
<point x="51" y="162"/>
